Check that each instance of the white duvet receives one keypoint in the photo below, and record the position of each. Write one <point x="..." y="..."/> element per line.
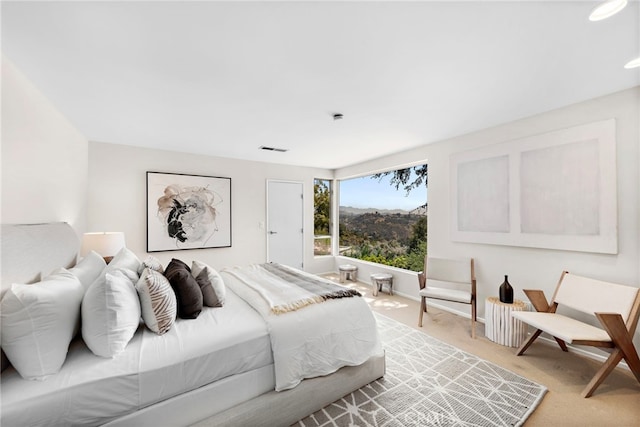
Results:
<point x="91" y="390"/>
<point x="314" y="340"/>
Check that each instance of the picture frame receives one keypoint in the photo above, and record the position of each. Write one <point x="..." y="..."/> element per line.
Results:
<point x="187" y="211"/>
<point x="556" y="190"/>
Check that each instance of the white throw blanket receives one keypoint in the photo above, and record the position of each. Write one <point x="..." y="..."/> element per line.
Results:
<point x="286" y="289"/>
<point x="315" y="340"/>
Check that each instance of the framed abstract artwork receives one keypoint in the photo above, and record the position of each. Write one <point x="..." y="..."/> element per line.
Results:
<point x="187" y="212"/>
<point x="555" y="190"/>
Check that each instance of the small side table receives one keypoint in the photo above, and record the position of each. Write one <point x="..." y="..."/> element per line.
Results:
<point x="380" y="279"/>
<point x="499" y="326"/>
<point x="348" y="271"/>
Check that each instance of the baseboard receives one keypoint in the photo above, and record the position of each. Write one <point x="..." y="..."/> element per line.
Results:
<point x="466" y="314"/>
<point x="583" y="352"/>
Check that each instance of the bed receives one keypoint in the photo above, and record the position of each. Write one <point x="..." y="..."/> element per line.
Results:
<point x="222" y="368"/>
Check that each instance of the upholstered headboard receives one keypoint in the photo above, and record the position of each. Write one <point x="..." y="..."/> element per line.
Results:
<point x="32" y="251"/>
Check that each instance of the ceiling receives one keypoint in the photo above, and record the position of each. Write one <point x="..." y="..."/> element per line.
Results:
<point x="224" y="78"/>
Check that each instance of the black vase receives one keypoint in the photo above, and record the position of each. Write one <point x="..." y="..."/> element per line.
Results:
<point x="506" y="292"/>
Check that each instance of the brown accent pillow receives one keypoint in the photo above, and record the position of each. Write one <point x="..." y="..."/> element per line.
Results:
<point x="209" y="297"/>
<point x="188" y="294"/>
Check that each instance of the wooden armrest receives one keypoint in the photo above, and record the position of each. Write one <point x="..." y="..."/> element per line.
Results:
<point x="539" y="301"/>
<point x="613" y="324"/>
<point x="422" y="280"/>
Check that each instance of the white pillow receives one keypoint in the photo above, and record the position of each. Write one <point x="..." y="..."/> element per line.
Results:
<point x="157" y="301"/>
<point x="214" y="278"/>
<point x="38" y="321"/>
<point x="64" y="273"/>
<point x="110" y="314"/>
<point x="125" y="259"/>
<point x="151" y="262"/>
<point x="89" y="268"/>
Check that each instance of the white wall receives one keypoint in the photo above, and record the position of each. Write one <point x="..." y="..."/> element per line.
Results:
<point x="44" y="158"/>
<point x="117" y="200"/>
<point x="44" y="178"/>
<point x="530" y="268"/>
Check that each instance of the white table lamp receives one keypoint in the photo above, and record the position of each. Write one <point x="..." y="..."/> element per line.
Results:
<point x="106" y="244"/>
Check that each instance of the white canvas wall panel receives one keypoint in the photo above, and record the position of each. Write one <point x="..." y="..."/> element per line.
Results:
<point x="483" y="195"/>
<point x="562" y="191"/>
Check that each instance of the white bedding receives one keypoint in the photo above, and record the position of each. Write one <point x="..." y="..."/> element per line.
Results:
<point x="315" y="340"/>
<point x="90" y="390"/>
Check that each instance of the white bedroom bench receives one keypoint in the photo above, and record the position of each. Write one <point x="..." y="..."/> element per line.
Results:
<point x="617" y="308"/>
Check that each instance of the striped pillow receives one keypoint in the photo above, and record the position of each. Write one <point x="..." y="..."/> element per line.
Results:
<point x="157" y="301"/>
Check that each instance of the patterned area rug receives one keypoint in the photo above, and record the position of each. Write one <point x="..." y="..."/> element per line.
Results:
<point x="430" y="383"/>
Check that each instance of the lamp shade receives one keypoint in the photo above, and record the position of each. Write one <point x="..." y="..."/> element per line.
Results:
<point x="106" y="244"/>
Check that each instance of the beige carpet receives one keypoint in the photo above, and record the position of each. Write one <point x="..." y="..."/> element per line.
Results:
<point x="615" y="403"/>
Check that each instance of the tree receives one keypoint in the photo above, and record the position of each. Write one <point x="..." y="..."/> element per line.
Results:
<point x="322" y="207"/>
<point x="417" y="250"/>
<point x="418" y="234"/>
<point x="401" y="177"/>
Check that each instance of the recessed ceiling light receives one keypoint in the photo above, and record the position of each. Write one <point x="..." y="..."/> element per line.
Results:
<point x="607" y="9"/>
<point x="633" y="64"/>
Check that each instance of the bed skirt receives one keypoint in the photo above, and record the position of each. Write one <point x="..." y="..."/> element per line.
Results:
<point x="249" y="399"/>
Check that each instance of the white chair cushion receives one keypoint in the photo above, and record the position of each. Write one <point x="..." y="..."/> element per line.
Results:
<point x="563" y="327"/>
<point x="446" y="294"/>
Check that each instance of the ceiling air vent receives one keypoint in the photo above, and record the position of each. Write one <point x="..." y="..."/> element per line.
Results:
<point x="279" y="150"/>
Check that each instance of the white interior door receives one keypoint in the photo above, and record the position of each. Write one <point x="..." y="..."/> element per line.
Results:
<point x="285" y="223"/>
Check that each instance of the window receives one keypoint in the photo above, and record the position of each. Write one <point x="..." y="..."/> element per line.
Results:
<point x="321" y="217"/>
<point x="383" y="217"/>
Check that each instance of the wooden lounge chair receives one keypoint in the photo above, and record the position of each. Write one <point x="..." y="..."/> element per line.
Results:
<point x="448" y="280"/>
<point x="617" y="308"/>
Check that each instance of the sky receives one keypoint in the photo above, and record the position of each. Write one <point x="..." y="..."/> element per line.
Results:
<point x="367" y="192"/>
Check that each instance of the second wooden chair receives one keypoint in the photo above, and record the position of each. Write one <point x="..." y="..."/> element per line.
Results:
<point x="448" y="280"/>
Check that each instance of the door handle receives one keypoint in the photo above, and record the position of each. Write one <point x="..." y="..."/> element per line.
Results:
<point x="273" y="232"/>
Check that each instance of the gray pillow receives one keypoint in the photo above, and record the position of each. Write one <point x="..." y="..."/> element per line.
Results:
<point x="197" y="267"/>
<point x="209" y="297"/>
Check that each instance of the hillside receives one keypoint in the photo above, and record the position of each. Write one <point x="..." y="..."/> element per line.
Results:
<point x="380" y="226"/>
<point x="348" y="210"/>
